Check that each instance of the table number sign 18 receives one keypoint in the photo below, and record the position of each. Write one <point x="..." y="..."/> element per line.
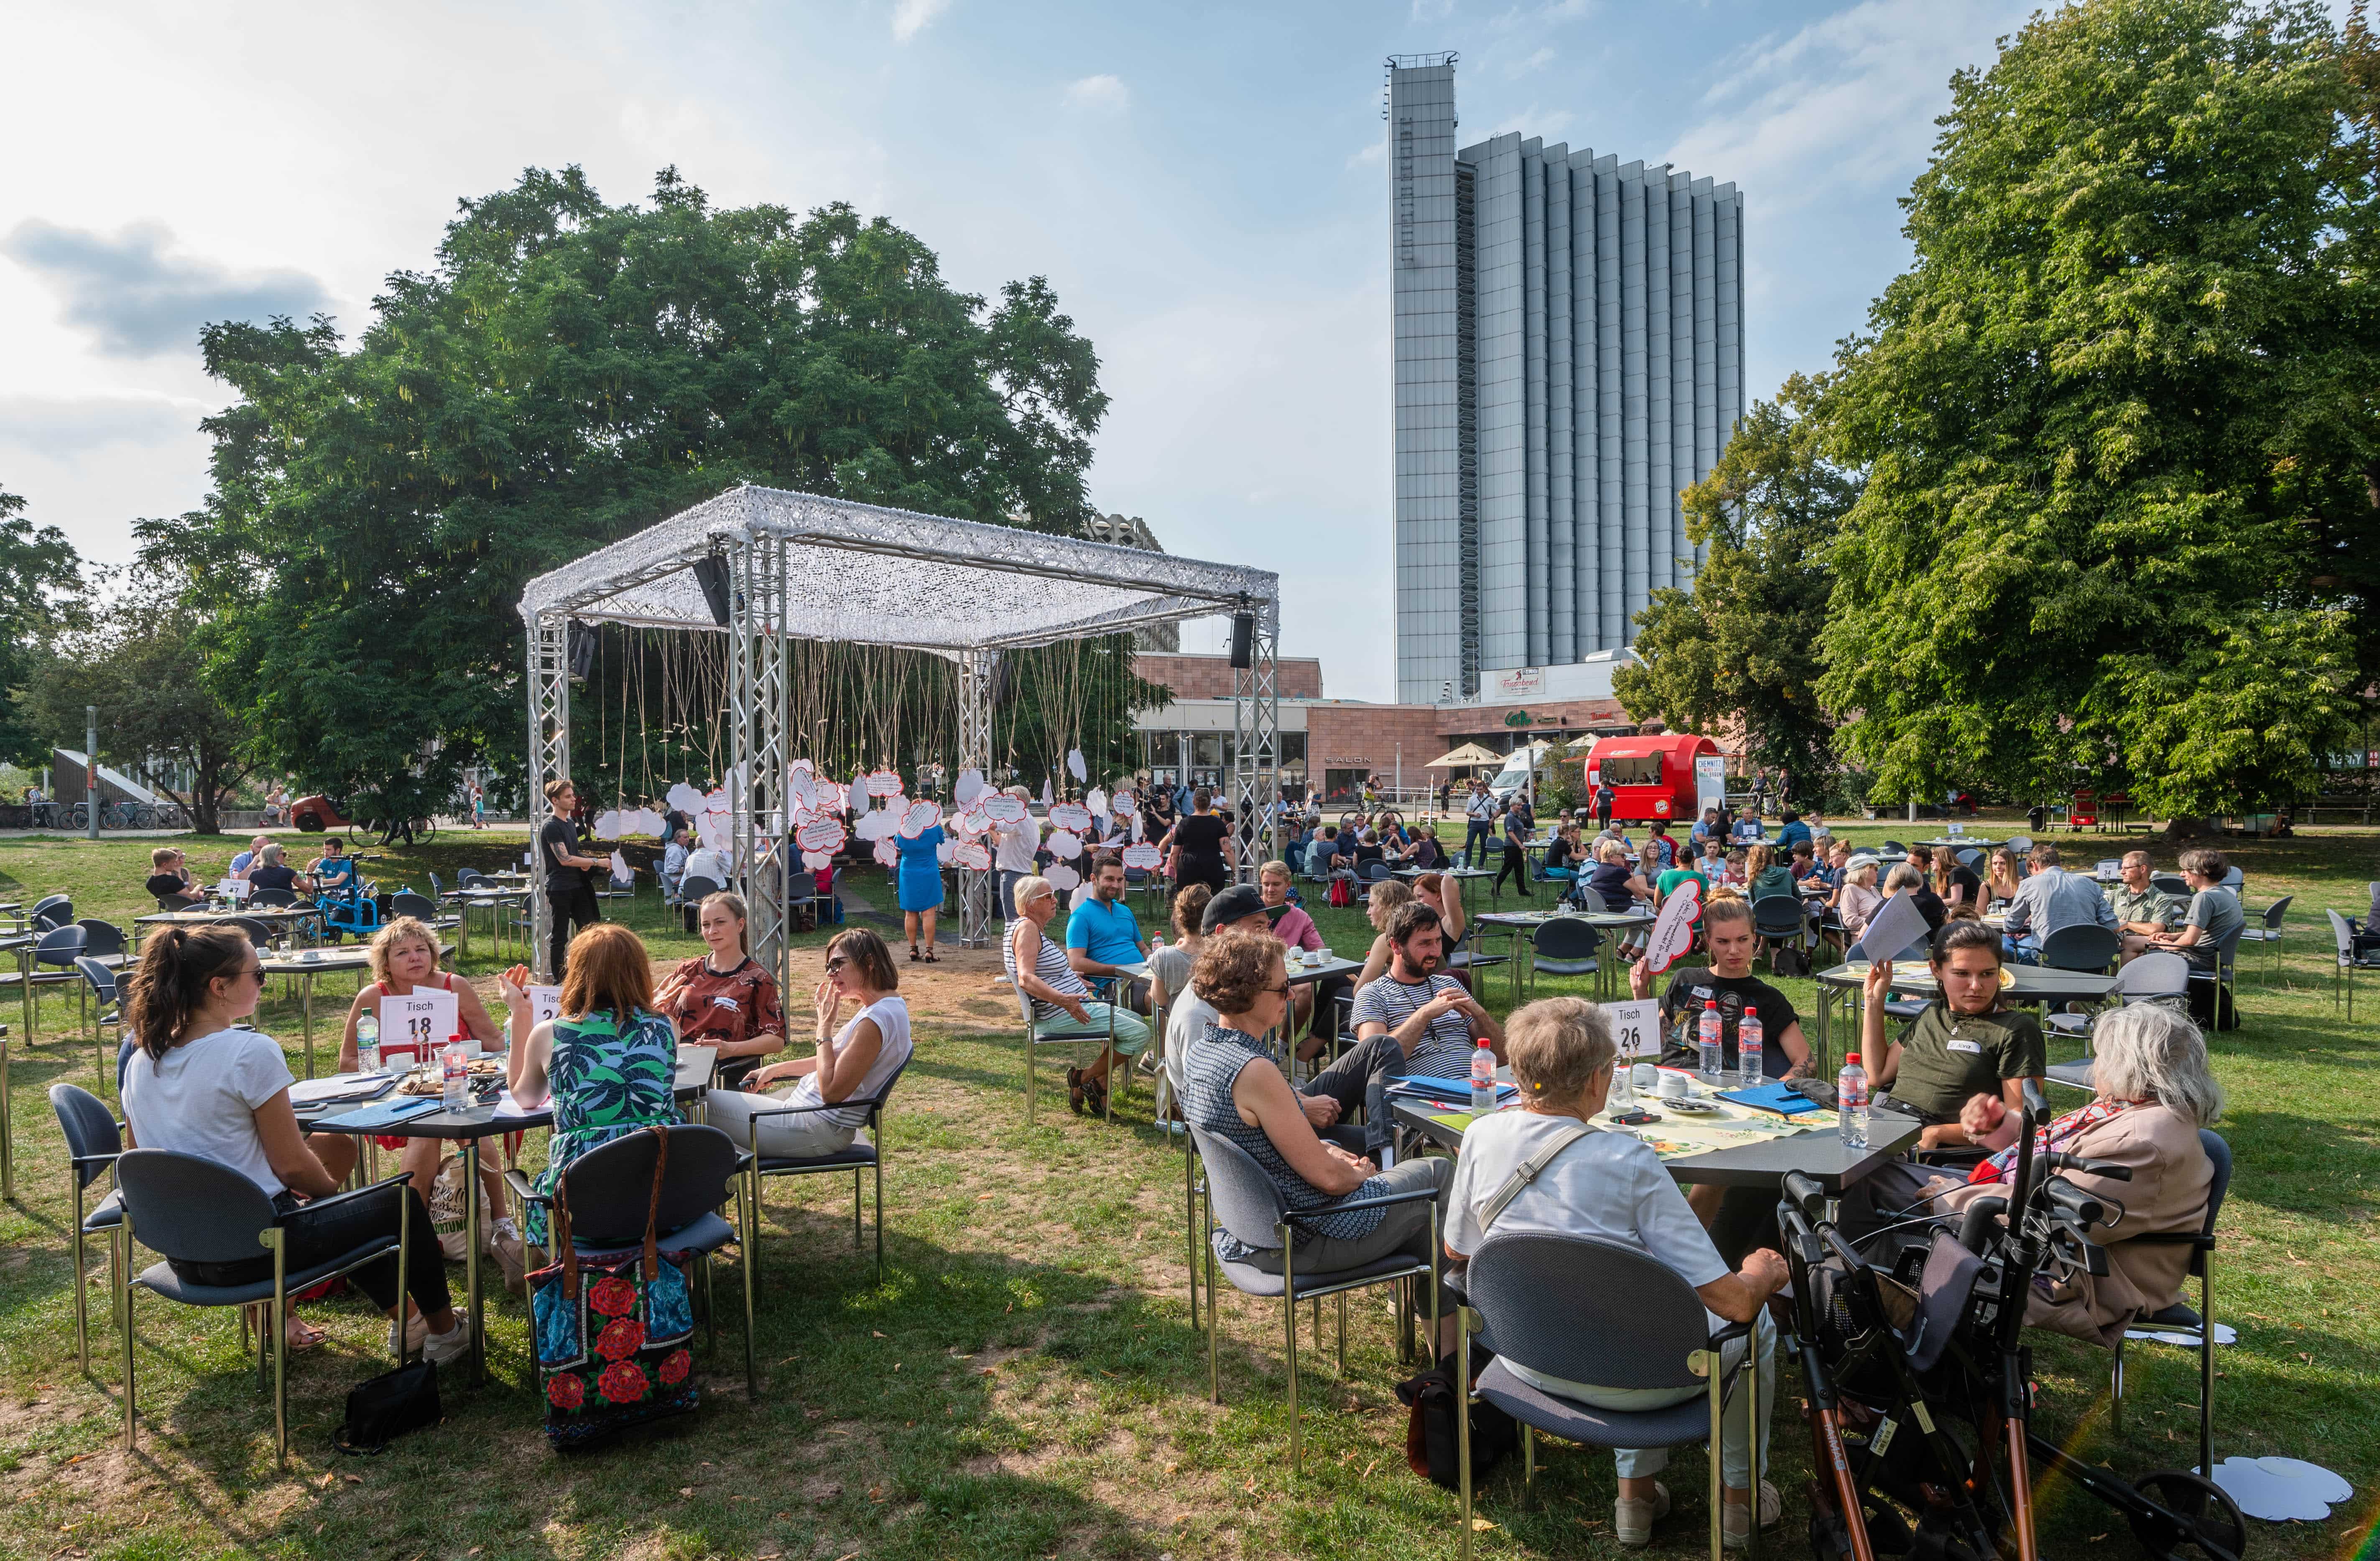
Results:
<point x="419" y="1023"/>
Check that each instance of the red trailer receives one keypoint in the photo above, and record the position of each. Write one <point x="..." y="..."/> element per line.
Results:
<point x="1652" y="778"/>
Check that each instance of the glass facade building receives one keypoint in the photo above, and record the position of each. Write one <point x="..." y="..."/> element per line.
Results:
<point x="1568" y="355"/>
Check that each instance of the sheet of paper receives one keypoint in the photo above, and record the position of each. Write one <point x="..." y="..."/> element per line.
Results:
<point x="1636" y="1026"/>
<point x="1897" y="925"/>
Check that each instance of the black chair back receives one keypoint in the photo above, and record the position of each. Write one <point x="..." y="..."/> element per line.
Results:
<point x="1377" y="872"/>
<point x="1567" y="938"/>
<point x="271" y="898"/>
<point x="259" y="933"/>
<point x="2218" y="1153"/>
<point x="191" y="1208"/>
<point x="1247" y="1202"/>
<point x="2170" y="883"/>
<point x="89" y="1129"/>
<point x="54" y="911"/>
<point x="101" y="939"/>
<point x="61" y="946"/>
<point x="1778" y="915"/>
<point x="1589" y="1310"/>
<point x="102" y="977"/>
<point x="692" y="890"/>
<point x="407" y="903"/>
<point x="2083" y="946"/>
<point x="612" y="1185"/>
<point x="2275" y="911"/>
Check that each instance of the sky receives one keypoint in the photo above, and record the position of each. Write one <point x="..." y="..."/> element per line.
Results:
<point x="1205" y="187"/>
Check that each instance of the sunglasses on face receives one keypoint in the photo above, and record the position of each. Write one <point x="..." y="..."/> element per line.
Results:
<point x="253" y="972"/>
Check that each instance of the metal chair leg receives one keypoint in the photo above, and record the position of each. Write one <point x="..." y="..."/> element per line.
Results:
<point x="1288" y="1315"/>
<point x="749" y="1242"/>
<point x="82" y="1320"/>
<point x="2207" y="1369"/>
<point x="880" y="1206"/>
<point x="1214" y="1322"/>
<point x="1717" y="1390"/>
<point x="130" y="1434"/>
<point x="857" y="1241"/>
<point x="277" y="1240"/>
<point x="1462" y="1417"/>
<point x="1752" y="1430"/>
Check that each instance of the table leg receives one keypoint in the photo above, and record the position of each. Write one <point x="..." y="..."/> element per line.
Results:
<point x="306" y="999"/>
<point x="472" y="1259"/>
<point x="1515" y="960"/>
<point x="25" y="987"/>
<point x="8" y="1135"/>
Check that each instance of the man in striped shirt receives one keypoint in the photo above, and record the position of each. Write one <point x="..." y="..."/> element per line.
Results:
<point x="1412" y="1021"/>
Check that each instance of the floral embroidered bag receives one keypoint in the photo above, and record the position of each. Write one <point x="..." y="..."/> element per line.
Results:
<point x="613" y="1332"/>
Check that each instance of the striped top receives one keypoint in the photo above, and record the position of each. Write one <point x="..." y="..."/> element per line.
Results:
<point x="1051" y="965"/>
<point x="1208" y="1073"/>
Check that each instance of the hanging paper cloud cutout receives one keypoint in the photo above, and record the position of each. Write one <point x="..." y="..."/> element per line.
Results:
<point x="816" y="861"/>
<point x="1070" y="815"/>
<point x="1075" y="763"/>
<point x="884" y="783"/>
<point x="821" y="834"/>
<point x="970" y="786"/>
<point x="1146" y="856"/>
<point x="944" y="852"/>
<point x="856" y="798"/>
<point x="1139" y="827"/>
<point x="1097" y="801"/>
<point x="607" y="825"/>
<point x="1062" y="877"/>
<point x="1002" y="808"/>
<point x="1127" y="800"/>
<point x="919" y="816"/>
<point x="887" y="853"/>
<point x="972" y="854"/>
<point x="876" y="824"/>
<point x="683" y="798"/>
<point x="1673" y="930"/>
<point x="1065" y="844"/>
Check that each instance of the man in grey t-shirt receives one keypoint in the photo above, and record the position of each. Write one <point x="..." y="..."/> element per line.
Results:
<point x="1410" y="1022"/>
<point x="2213" y="915"/>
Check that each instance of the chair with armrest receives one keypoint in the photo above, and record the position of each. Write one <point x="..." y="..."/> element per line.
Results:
<point x="860" y="1157"/>
<point x="94" y="1138"/>
<point x="2181" y="1317"/>
<point x="2268" y="930"/>
<point x="1564" y="946"/>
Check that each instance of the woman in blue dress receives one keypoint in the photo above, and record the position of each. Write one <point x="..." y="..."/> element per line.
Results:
<point x="919" y="882"/>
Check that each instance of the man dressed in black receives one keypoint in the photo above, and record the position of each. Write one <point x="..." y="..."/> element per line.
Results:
<point x="569" y="893"/>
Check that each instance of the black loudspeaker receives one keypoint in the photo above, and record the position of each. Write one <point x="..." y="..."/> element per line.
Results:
<point x="581" y="646"/>
<point x="710" y="573"/>
<point x="1244" y="639"/>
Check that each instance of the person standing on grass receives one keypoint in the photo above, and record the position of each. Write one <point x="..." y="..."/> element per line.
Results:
<point x="569" y="895"/>
<point x="1479" y="822"/>
<point x="1516" y="861"/>
<point x="918" y="882"/>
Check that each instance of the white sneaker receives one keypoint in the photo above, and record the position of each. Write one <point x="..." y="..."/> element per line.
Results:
<point x="450" y="1346"/>
<point x="417" y="1328"/>
<point x="1632" y="1521"/>
<point x="1734" y="1524"/>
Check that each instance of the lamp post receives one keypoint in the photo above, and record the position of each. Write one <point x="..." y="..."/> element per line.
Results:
<point x="91" y="772"/>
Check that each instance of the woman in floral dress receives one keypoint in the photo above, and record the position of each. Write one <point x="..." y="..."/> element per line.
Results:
<point x="609" y="1061"/>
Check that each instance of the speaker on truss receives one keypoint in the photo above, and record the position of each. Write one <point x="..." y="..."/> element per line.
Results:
<point x="1244" y="639"/>
<point x="581" y="638"/>
<point x="710" y="573"/>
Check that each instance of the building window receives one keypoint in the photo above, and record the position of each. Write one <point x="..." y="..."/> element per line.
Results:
<point x="1343" y="785"/>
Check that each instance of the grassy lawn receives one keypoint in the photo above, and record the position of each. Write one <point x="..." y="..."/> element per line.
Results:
<point x="1027" y="1382"/>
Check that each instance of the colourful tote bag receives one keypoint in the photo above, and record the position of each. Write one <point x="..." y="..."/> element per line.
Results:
<point x="612" y="1334"/>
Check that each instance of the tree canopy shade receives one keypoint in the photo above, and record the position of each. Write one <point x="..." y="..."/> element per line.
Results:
<point x="40" y="581"/>
<point x="2116" y="421"/>
<point x="572" y="372"/>
<point x="1741" y="648"/>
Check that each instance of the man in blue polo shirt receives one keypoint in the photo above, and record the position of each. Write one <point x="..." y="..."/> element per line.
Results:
<point x="1101" y="934"/>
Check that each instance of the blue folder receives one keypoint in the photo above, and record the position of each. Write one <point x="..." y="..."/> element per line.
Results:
<point x="384" y="1114"/>
<point x="1443" y="1089"/>
<point x="1771" y="1097"/>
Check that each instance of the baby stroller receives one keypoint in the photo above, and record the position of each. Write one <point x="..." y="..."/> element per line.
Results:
<point x="1920" y="1399"/>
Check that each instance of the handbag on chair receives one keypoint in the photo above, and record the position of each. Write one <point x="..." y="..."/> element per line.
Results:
<point x="612" y="1335"/>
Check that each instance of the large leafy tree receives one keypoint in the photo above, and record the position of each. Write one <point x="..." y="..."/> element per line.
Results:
<point x="569" y="372"/>
<point x="1740" y="651"/>
<point x="136" y="658"/>
<point x="41" y="586"/>
<point x="2117" y="420"/>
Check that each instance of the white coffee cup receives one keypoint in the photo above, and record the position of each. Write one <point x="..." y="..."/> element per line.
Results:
<point x="1645" y="1076"/>
<point x="1674" y="1086"/>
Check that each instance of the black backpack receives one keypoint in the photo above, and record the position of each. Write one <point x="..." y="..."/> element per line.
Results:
<point x="1431" y="1446"/>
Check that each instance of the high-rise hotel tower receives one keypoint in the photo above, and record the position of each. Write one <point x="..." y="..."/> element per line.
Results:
<point x="1569" y="354"/>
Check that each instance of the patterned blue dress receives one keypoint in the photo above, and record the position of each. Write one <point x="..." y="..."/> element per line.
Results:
<point x="607" y="1080"/>
<point x="1212" y="1068"/>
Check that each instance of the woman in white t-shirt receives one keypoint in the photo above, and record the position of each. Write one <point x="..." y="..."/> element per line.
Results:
<point x="199" y="1086"/>
<point x="853" y="1063"/>
<point x="1611" y="1186"/>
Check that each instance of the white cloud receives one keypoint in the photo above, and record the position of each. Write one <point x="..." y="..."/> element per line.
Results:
<point x="1846" y="101"/>
<point x="1522" y="67"/>
<point x="1106" y="94"/>
<point x="912" y="17"/>
<point x="1373" y="154"/>
<point x="58" y="425"/>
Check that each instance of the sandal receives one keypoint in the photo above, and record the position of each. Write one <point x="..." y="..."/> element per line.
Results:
<point x="1095" y="1095"/>
<point x="1074" y="1090"/>
<point x="912" y="954"/>
<point x="927" y="958"/>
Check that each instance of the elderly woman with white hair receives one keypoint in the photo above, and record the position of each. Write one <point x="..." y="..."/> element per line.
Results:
<point x="2151" y="1092"/>
<point x="1036" y="965"/>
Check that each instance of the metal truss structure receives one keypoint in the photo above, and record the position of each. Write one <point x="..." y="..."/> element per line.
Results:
<point x="801" y="566"/>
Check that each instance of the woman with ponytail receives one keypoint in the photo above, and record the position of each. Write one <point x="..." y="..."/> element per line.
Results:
<point x="200" y="1084"/>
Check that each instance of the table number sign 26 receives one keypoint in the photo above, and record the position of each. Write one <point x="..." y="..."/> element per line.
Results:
<point x="1636" y="1026"/>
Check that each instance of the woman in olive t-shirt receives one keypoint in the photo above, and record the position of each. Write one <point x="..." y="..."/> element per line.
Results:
<point x="1966" y="1043"/>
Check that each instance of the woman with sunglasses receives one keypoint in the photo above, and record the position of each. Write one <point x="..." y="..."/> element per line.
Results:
<point x="202" y="1086"/>
<point x="854" y="1061"/>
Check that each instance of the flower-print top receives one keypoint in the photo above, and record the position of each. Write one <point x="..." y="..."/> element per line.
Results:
<point x="608" y="1079"/>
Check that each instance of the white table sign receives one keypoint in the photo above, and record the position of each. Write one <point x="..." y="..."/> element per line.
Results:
<point x="544" y="1003"/>
<point x="419" y="1023"/>
<point x="1636" y="1026"/>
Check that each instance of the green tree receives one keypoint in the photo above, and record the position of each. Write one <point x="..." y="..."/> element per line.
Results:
<point x="2117" y="420"/>
<point x="570" y="373"/>
<point x="136" y="658"/>
<point x="1741" y="650"/>
<point x="40" y="587"/>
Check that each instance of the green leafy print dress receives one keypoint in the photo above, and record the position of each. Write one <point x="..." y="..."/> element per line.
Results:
<point x="608" y="1080"/>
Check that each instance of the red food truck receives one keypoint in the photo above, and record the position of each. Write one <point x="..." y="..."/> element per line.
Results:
<point x="1658" y="778"/>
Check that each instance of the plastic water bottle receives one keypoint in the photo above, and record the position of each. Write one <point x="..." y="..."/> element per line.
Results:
<point x="1850" y="1103"/>
<point x="368" y="1042"/>
<point x="1750" y="1073"/>
<point x="458" y="1075"/>
<point x="1709" y="1054"/>
<point x="1483" y="1080"/>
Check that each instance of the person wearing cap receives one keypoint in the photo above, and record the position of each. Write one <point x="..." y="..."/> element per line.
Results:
<point x="1855" y="898"/>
